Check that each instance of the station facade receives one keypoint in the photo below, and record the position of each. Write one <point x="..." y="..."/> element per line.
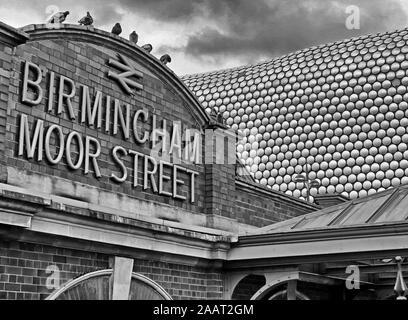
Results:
<point x="117" y="184"/>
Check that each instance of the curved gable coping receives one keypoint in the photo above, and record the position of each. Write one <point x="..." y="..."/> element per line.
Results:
<point x="38" y="32"/>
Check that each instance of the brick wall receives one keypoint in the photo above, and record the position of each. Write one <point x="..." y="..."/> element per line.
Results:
<point x="219" y="173"/>
<point x="181" y="281"/>
<point x="5" y="73"/>
<point x="23" y="272"/>
<point x="86" y="64"/>
<point x="260" y="206"/>
<point x="23" y="267"/>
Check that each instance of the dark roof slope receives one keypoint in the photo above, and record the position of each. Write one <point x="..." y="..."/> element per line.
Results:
<point x="386" y="207"/>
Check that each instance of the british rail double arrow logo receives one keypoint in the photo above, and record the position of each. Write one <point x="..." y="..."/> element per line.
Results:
<point x="124" y="78"/>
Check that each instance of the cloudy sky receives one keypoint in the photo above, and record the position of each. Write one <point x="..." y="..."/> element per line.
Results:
<point x="206" y="35"/>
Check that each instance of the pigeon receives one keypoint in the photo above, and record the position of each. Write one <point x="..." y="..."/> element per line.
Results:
<point x="59" y="17"/>
<point x="87" y="20"/>
<point x="220" y="118"/>
<point x="217" y="116"/>
<point x="133" y="37"/>
<point x="117" y="29"/>
<point x="165" y="59"/>
<point x="148" y="47"/>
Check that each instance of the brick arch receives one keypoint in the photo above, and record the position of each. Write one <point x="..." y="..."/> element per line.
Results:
<point x="97" y="285"/>
<point x="39" y="32"/>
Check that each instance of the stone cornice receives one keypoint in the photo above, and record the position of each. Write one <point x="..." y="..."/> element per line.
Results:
<point x="54" y="218"/>
<point x="18" y="210"/>
<point x="337" y="233"/>
<point x="11" y="36"/>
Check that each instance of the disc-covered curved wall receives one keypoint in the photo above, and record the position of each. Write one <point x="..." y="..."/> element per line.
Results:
<point x="341" y="107"/>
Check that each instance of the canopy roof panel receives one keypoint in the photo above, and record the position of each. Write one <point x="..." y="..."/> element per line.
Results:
<point x="386" y="207"/>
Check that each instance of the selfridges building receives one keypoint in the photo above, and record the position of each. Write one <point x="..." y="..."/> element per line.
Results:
<point x="119" y="180"/>
<point x="340" y="107"/>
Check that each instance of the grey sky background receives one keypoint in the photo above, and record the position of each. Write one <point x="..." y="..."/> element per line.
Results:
<point x="206" y="35"/>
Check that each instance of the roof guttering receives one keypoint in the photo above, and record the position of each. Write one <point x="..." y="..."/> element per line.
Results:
<point x="321" y="242"/>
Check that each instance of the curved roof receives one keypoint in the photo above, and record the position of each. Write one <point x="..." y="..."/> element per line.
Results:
<point x="341" y="107"/>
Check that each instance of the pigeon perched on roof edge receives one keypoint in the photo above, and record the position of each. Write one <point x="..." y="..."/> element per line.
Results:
<point x="148" y="47"/>
<point x="87" y="20"/>
<point x="59" y="17"/>
<point x="133" y="37"/>
<point x="117" y="29"/>
<point x="165" y="59"/>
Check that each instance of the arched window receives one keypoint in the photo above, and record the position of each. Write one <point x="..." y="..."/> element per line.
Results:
<point x="247" y="287"/>
<point x="282" y="295"/>
<point x="97" y="286"/>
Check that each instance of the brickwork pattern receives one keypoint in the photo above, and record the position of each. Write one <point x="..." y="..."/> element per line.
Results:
<point x="182" y="281"/>
<point x="23" y="268"/>
<point x="23" y="265"/>
<point x="23" y="272"/>
<point x="5" y="74"/>
<point x="87" y="65"/>
<point x="262" y="209"/>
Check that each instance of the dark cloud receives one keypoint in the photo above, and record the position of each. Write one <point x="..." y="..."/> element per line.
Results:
<point x="178" y="11"/>
<point x="104" y="12"/>
<point x="106" y="15"/>
<point x="246" y="30"/>
<point x="254" y="29"/>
